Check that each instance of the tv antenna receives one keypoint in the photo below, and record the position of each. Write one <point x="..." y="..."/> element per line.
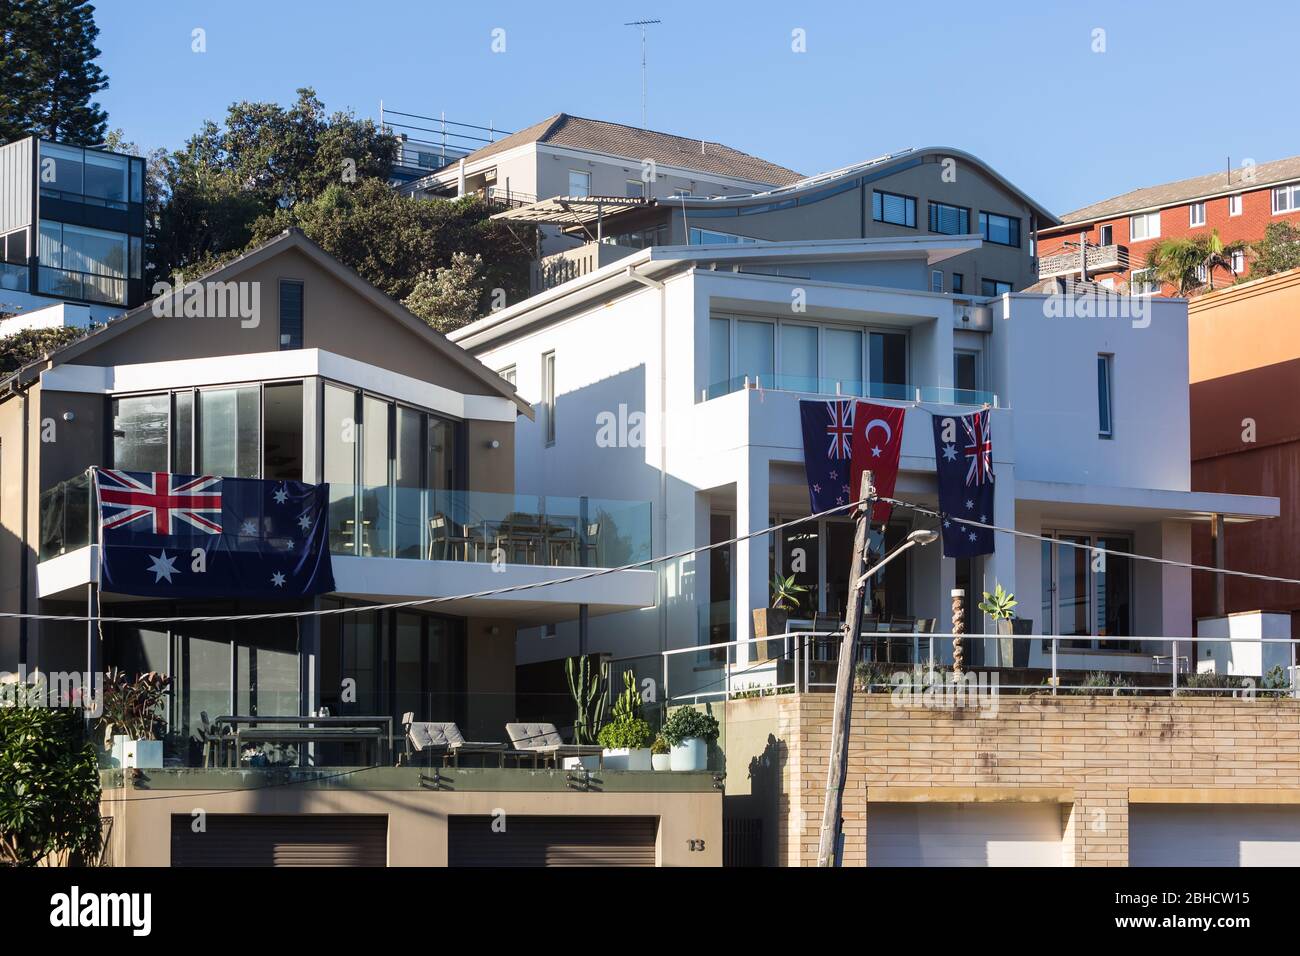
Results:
<point x="642" y="24"/>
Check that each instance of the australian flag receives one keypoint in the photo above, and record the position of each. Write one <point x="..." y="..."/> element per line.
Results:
<point x="828" y="451"/>
<point x="963" y="454"/>
<point x="197" y="536"/>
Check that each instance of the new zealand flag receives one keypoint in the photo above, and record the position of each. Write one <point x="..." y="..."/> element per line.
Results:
<point x="963" y="454"/>
<point x="196" y="536"/>
<point x="827" y="451"/>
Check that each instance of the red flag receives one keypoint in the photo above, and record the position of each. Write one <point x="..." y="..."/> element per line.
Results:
<point x="877" y="443"/>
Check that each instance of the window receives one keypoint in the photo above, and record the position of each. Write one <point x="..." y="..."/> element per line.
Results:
<point x="710" y="237"/>
<point x="1105" y="235"/>
<point x="1003" y="230"/>
<point x="1105" y="389"/>
<point x="548" y="395"/>
<point x="1196" y="214"/>
<point x="949" y="220"/>
<point x="82" y="263"/>
<point x="936" y="280"/>
<point x="290" y="315"/>
<point x="1087" y="591"/>
<point x="508" y="373"/>
<point x="1202" y="273"/>
<point x="887" y="363"/>
<point x="893" y="208"/>
<point x="755" y="351"/>
<point x="339" y="447"/>
<point x="842" y="362"/>
<point x="965" y="370"/>
<point x="1142" y="282"/>
<point x="994" y="287"/>
<point x="13" y="247"/>
<point x="228" y="432"/>
<point x="1238" y="262"/>
<point x="958" y="282"/>
<point x="1234" y="205"/>
<point x="282" y="431"/>
<point x="634" y="188"/>
<point x="719" y="357"/>
<point x="1144" y="226"/>
<point x="799" y="358"/>
<point x="1286" y="198"/>
<point x="579" y="183"/>
<point x="140" y="438"/>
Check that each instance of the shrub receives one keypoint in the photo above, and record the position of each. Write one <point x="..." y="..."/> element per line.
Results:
<point x="660" y="746"/>
<point x="687" y="722"/>
<point x="632" y="733"/>
<point x="1097" y="682"/>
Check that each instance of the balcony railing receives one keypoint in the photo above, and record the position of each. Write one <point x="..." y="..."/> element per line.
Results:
<point x="90" y="286"/>
<point x="1111" y="258"/>
<point x="13" y="277"/>
<point x="471" y="526"/>
<point x="559" y="268"/>
<point x="853" y="388"/>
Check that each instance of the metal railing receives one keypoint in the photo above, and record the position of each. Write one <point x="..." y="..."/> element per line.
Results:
<point x="806" y="661"/>
<point x="853" y="388"/>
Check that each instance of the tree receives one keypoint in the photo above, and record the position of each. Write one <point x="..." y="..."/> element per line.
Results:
<point x="449" y="298"/>
<point x="49" y="781"/>
<point x="1278" y="251"/>
<point x="1179" y="262"/>
<point x="24" y="347"/>
<point x="47" y="60"/>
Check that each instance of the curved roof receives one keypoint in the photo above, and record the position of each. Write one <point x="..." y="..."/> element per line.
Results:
<point x="849" y="176"/>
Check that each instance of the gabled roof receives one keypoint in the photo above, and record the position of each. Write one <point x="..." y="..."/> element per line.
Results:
<point x="289" y="239"/>
<point x="1186" y="190"/>
<point x="635" y="144"/>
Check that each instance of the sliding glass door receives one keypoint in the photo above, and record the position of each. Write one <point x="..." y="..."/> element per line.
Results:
<point x="1088" y="590"/>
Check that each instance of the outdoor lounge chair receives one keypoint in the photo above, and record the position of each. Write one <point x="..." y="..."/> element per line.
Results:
<point x="543" y="743"/>
<point x="433" y="739"/>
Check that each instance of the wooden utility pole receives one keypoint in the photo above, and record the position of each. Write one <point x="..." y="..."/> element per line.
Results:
<point x="837" y="766"/>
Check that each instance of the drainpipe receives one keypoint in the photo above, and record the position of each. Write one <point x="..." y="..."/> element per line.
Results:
<point x="460" y="179"/>
<point x="23" y="562"/>
<point x="663" y="440"/>
<point x="1083" y="257"/>
<point x="1216" y="538"/>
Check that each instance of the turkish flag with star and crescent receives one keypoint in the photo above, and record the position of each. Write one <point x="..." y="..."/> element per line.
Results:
<point x="877" y="444"/>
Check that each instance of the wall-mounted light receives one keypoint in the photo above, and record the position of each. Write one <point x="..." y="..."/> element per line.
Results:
<point x="494" y="443"/>
<point x="69" y="416"/>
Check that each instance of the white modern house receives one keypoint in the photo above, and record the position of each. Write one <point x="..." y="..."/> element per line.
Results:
<point x="675" y="375"/>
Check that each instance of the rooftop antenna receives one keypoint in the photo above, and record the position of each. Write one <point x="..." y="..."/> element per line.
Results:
<point x="642" y="24"/>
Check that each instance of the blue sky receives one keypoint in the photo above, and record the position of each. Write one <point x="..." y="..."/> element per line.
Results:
<point x="1181" y="87"/>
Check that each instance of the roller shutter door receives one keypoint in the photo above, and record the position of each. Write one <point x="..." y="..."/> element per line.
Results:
<point x="1213" y="835"/>
<point x="552" y="841"/>
<point x="240" y="839"/>
<point x="964" y="834"/>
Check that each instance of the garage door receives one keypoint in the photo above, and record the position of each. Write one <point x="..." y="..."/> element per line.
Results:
<point x="1218" y="835"/>
<point x="552" y="841"/>
<point x="964" y="834"/>
<point x="238" y="839"/>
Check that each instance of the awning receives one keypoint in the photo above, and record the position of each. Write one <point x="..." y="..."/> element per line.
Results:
<point x="1069" y="500"/>
<point x="572" y="210"/>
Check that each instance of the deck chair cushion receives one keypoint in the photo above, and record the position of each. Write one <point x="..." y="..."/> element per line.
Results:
<point x="533" y="736"/>
<point x="440" y="736"/>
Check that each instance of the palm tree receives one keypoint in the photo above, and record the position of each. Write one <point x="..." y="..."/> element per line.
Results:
<point x="1178" y="262"/>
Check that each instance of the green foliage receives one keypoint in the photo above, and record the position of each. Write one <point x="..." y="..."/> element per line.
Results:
<point x="628" y="704"/>
<point x="786" y="593"/>
<point x="1278" y="251"/>
<point x="999" y="604"/>
<point x="1277" y="682"/>
<point x="49" y="783"/>
<point x="588" y="686"/>
<point x="660" y="746"/>
<point x="634" y="734"/>
<point x="1212" y="685"/>
<point x="1175" y="261"/>
<point x="1097" y="681"/>
<point x="133" y="707"/>
<point x="448" y="298"/>
<point x="687" y="722"/>
<point x="26" y="346"/>
<point x="47" y="59"/>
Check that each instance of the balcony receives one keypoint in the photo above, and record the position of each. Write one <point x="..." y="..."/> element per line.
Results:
<point x="462" y="526"/>
<point x="13" y="277"/>
<point x="1111" y="258"/>
<point x="850" y="388"/>
<point x="559" y="268"/>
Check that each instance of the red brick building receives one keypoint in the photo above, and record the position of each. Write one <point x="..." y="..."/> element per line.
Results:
<point x="1239" y="203"/>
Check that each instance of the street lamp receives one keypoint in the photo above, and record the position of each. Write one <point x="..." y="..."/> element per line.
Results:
<point x="921" y="537"/>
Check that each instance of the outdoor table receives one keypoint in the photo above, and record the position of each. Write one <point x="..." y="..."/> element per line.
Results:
<point x="305" y="720"/>
<point x="285" y="735"/>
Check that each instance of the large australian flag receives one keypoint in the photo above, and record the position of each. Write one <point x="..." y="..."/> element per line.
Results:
<point x="963" y="454"/>
<point x="197" y="536"/>
<point x="828" y="451"/>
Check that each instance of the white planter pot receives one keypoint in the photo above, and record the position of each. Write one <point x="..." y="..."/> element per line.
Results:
<point x="121" y="742"/>
<point x="624" y="758"/>
<point x="582" y="763"/>
<point x="144" y="753"/>
<point x="661" y="761"/>
<point x="691" y="754"/>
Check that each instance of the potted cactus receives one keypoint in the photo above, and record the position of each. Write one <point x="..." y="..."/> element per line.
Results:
<point x="689" y="732"/>
<point x="627" y="738"/>
<point x="660" y="754"/>
<point x="588" y="676"/>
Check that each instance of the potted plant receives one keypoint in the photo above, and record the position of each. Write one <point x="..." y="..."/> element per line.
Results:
<point x="627" y="738"/>
<point x="132" y="718"/>
<point x="660" y="754"/>
<point x="787" y="595"/>
<point x="999" y="605"/>
<point x="689" y="732"/>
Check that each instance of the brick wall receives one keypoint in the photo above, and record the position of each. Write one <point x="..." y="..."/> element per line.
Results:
<point x="1089" y="754"/>
<point x="1175" y="222"/>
